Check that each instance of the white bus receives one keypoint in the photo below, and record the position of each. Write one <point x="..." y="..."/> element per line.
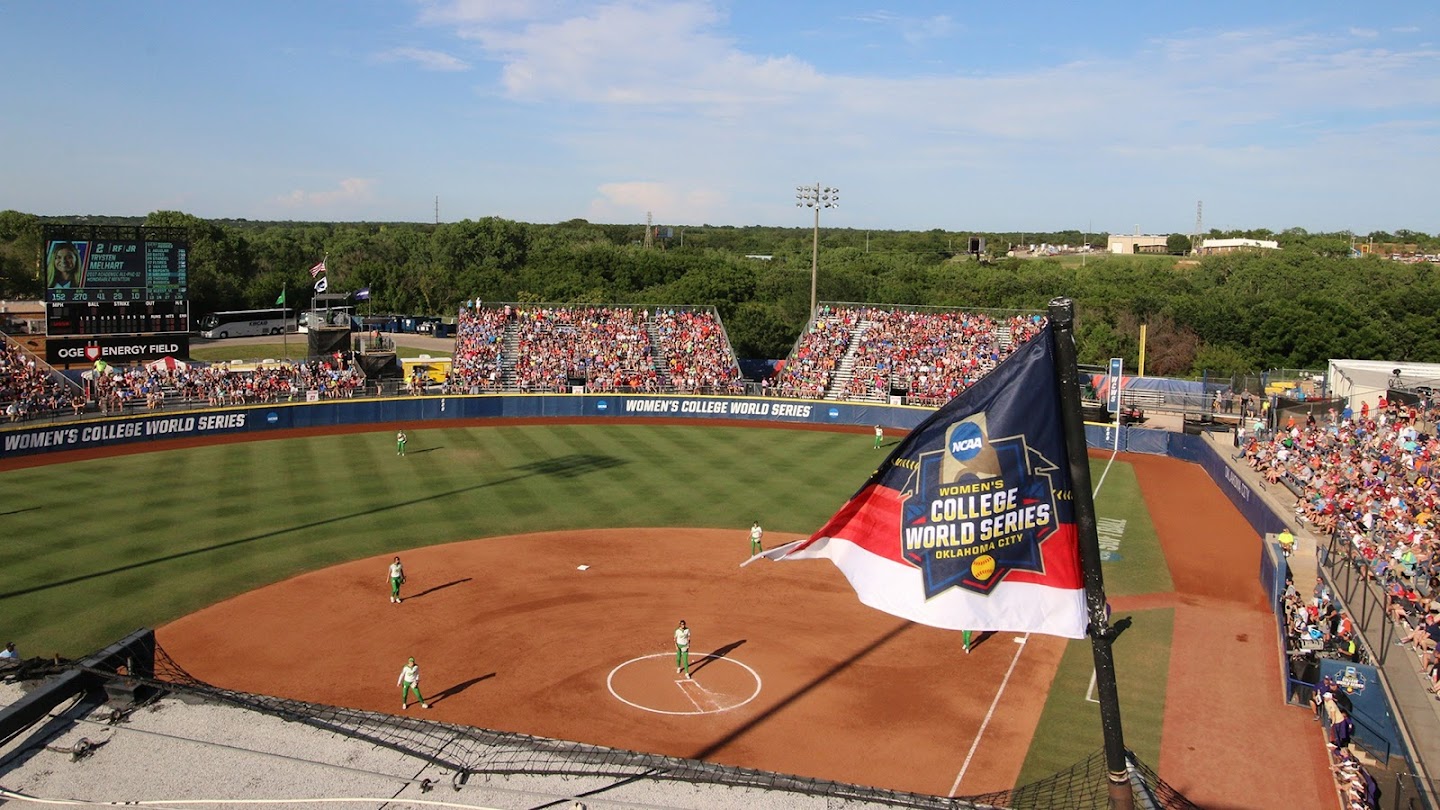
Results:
<point x="247" y="322"/>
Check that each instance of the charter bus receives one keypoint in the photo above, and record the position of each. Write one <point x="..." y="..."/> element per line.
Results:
<point x="247" y="322"/>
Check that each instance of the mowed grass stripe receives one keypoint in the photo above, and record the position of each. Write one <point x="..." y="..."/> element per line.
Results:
<point x="1069" y="729"/>
<point x="1138" y="564"/>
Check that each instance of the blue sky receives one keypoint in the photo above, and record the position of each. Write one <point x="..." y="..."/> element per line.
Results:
<point x="960" y="115"/>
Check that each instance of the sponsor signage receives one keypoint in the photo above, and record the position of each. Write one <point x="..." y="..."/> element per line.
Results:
<point x="115" y="350"/>
<point x="1112" y="399"/>
<point x="120" y="431"/>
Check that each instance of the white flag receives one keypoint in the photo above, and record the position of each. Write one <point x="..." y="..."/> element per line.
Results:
<point x="320" y="285"/>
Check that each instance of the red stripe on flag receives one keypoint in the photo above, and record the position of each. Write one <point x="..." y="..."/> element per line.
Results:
<point x="1061" y="555"/>
<point x="870" y="520"/>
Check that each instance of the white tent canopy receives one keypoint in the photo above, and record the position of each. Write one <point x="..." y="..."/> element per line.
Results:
<point x="1362" y="381"/>
<point x="167" y="363"/>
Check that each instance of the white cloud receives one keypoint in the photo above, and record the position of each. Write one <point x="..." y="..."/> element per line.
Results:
<point x="351" y="191"/>
<point x="1364" y="33"/>
<point x="425" y="58"/>
<point x="632" y="83"/>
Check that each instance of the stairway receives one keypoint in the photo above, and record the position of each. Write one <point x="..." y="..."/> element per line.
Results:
<point x="845" y="369"/>
<point x="659" y="358"/>
<point x="509" y="350"/>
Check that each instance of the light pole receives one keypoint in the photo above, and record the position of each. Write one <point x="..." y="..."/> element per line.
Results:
<point x="817" y="197"/>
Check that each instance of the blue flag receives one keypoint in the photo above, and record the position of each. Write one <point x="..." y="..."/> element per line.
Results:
<point x="969" y="524"/>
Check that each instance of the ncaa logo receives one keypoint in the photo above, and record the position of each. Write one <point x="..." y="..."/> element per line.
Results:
<point x="833" y="413"/>
<point x="602" y="406"/>
<point x="272" y="417"/>
<point x="966" y="441"/>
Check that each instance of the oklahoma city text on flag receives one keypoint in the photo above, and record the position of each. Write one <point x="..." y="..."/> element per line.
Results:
<point x="969" y="524"/>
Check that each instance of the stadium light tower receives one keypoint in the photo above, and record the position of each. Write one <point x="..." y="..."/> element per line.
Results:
<point x="817" y="197"/>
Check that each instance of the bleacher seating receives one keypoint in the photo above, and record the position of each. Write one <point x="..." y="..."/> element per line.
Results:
<point x="865" y="352"/>
<point x="30" y="389"/>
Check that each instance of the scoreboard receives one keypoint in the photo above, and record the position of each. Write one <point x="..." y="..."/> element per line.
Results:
<point x="105" y="279"/>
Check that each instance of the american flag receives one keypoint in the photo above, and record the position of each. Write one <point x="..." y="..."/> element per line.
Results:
<point x="317" y="269"/>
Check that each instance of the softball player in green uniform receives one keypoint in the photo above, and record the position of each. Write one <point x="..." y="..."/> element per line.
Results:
<point x="682" y="650"/>
<point x="755" y="534"/>
<point x="410" y="682"/>
<point x="965" y="637"/>
<point x="400" y="443"/>
<point x="396" y="576"/>
<point x="879" y="436"/>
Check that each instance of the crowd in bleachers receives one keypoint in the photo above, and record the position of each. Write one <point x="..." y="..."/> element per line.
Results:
<point x="29" y="389"/>
<point x="1319" y="627"/>
<point x="697" y="353"/>
<point x="1332" y="709"/>
<point x="811" y="366"/>
<point x="608" y="347"/>
<point x="146" y="388"/>
<point x="933" y="355"/>
<point x="479" y="337"/>
<point x="1367" y="478"/>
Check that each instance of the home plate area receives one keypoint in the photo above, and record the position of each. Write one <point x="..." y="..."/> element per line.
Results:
<point x="716" y="684"/>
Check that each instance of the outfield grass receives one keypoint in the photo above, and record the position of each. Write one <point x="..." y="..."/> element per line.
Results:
<point x="1138" y="564"/>
<point x="1069" y="729"/>
<point x="296" y="348"/>
<point x="101" y="547"/>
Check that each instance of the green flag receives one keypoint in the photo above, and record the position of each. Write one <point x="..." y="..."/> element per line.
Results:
<point x="281" y="300"/>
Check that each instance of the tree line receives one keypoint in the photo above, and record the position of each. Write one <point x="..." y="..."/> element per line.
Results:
<point x="1242" y="312"/>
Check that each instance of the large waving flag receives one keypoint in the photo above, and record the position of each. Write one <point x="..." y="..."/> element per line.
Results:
<point x="969" y="524"/>
<point x="317" y="269"/>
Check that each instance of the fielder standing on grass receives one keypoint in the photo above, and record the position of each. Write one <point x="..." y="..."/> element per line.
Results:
<point x="410" y="682"/>
<point x="682" y="650"/>
<point x="400" y="443"/>
<point x="879" y="436"/>
<point x="755" y="534"/>
<point x="396" y="577"/>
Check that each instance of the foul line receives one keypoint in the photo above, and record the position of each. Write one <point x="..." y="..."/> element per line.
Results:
<point x="986" y="722"/>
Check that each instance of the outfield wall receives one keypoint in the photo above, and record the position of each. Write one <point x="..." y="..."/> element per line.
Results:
<point x="259" y="419"/>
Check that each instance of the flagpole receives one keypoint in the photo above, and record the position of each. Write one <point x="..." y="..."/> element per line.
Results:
<point x="1062" y="320"/>
<point x="285" y="321"/>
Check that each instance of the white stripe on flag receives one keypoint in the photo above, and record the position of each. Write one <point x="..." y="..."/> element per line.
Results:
<point x="899" y="589"/>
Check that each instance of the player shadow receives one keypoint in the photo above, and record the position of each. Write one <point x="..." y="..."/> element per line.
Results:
<point x="424" y="450"/>
<point x="18" y="511"/>
<point x="437" y="587"/>
<point x="458" y="688"/>
<point x="976" y="639"/>
<point x="719" y="653"/>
